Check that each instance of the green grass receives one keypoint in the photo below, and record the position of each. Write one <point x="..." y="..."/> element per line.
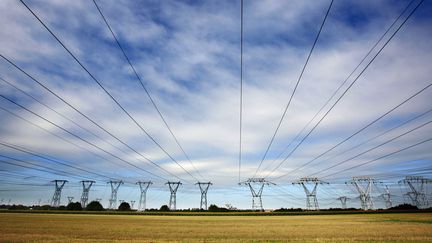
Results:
<point x="24" y="227"/>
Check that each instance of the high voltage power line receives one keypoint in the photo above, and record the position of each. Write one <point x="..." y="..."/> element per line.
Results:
<point x="106" y="91"/>
<point x="341" y="85"/>
<point x="295" y="89"/>
<point x="371" y="149"/>
<point x="360" y="130"/>
<point x="82" y="114"/>
<point x="346" y="90"/>
<point x="145" y="89"/>
<point x="80" y="138"/>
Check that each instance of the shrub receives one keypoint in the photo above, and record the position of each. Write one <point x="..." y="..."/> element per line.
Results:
<point x="74" y="206"/>
<point x="124" y="206"/>
<point x="164" y="208"/>
<point x="94" y="206"/>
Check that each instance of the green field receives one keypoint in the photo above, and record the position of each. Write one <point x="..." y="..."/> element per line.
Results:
<point x="415" y="227"/>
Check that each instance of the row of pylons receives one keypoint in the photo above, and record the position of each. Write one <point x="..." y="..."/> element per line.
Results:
<point x="417" y="192"/>
<point x="143" y="185"/>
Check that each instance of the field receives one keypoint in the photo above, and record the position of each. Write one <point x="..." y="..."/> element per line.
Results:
<point x="415" y="227"/>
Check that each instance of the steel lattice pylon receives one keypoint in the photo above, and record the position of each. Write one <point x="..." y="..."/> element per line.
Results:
<point x="59" y="184"/>
<point x="114" y="188"/>
<point x="85" y="194"/>
<point x="173" y="186"/>
<point x="311" y="199"/>
<point x="417" y="190"/>
<point x="363" y="185"/>
<point x="343" y="201"/>
<point x="387" y="197"/>
<point x="204" y="186"/>
<point x="256" y="194"/>
<point x="144" y="185"/>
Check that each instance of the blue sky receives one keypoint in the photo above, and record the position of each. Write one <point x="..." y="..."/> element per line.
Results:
<point x="187" y="55"/>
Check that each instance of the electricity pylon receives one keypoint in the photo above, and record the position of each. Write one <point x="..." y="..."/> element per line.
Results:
<point x="85" y="194"/>
<point x="343" y="201"/>
<point x="311" y="199"/>
<point x="363" y="185"/>
<point x="59" y="184"/>
<point x="114" y="188"/>
<point x="253" y="184"/>
<point x="70" y="199"/>
<point x="387" y="197"/>
<point x="132" y="204"/>
<point x="204" y="186"/>
<point x="144" y="185"/>
<point x="417" y="190"/>
<point x="173" y="186"/>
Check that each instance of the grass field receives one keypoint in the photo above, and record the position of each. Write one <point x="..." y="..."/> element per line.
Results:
<point x="415" y="227"/>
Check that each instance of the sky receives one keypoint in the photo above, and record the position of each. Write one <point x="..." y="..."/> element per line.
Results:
<point x="187" y="56"/>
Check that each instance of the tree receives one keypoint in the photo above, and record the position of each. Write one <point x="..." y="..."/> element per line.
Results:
<point x="215" y="208"/>
<point x="74" y="206"/>
<point x="164" y="208"/>
<point x="94" y="206"/>
<point x="124" y="206"/>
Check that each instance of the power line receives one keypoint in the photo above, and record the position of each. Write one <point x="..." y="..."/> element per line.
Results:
<point x="373" y="148"/>
<point x="84" y="115"/>
<point x="106" y="91"/>
<point x="53" y="134"/>
<point x="146" y="90"/>
<point x="295" y="88"/>
<point x="58" y="113"/>
<point x="52" y="160"/>
<point x="346" y="90"/>
<point x="341" y="85"/>
<point x="381" y="134"/>
<point x="361" y="129"/>
<point x="241" y="90"/>
<point x="45" y="168"/>
<point x="79" y="137"/>
<point x="384" y="156"/>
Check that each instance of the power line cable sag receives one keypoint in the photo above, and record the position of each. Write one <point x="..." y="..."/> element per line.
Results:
<point x="371" y="149"/>
<point x="82" y="114"/>
<point x="80" y="138"/>
<point x="59" y="114"/>
<point x="295" y="89"/>
<point x="341" y="85"/>
<point x="360" y="130"/>
<point x="146" y="90"/>
<point x="106" y="91"/>
<point x="382" y="157"/>
<point x="346" y="90"/>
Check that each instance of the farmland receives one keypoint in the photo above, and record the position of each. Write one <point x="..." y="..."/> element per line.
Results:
<point x="415" y="227"/>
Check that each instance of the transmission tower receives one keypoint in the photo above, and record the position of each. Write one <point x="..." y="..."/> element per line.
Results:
<point x="70" y="199"/>
<point x="59" y="184"/>
<point x="387" y="197"/>
<point x="85" y="194"/>
<point x="343" y="201"/>
<point x="144" y="185"/>
<point x="204" y="186"/>
<point x="311" y="199"/>
<point x="132" y="204"/>
<point x="114" y="188"/>
<point x="363" y="185"/>
<point x="253" y="184"/>
<point x="417" y="190"/>
<point x="173" y="186"/>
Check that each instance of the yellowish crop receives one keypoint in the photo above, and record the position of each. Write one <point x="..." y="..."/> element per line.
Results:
<point x="153" y="228"/>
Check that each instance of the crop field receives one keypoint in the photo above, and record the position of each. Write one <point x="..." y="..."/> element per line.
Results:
<point x="415" y="227"/>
